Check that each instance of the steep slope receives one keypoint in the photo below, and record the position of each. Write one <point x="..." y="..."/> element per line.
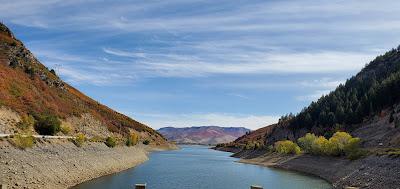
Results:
<point x="367" y="105"/>
<point x="30" y="88"/>
<point x="252" y="138"/>
<point x="203" y="134"/>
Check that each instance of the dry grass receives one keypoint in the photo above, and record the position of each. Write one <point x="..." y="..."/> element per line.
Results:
<point x="23" y="142"/>
<point x="79" y="139"/>
<point x="391" y="152"/>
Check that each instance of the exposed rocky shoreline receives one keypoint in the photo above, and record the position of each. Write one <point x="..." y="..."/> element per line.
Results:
<point x="372" y="172"/>
<point x="60" y="164"/>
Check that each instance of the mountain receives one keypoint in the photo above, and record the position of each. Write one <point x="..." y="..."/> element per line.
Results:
<point x="30" y="89"/>
<point x="367" y="106"/>
<point x="203" y="134"/>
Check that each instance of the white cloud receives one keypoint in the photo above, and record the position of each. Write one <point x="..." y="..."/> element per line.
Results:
<point x="319" y="87"/>
<point x="261" y="16"/>
<point x="80" y="76"/>
<point x="237" y="39"/>
<point x="215" y="119"/>
<point x="121" y="53"/>
<point x="324" y="83"/>
<point x="145" y="64"/>
<point x="79" y="69"/>
<point x="183" y="65"/>
<point x="313" y="96"/>
<point x="239" y="95"/>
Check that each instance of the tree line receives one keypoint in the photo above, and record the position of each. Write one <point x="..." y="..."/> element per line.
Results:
<point x="374" y="88"/>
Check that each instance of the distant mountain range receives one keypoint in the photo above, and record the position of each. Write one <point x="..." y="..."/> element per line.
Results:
<point x="203" y="134"/>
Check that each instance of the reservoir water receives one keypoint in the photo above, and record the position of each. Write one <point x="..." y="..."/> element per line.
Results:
<point x="197" y="167"/>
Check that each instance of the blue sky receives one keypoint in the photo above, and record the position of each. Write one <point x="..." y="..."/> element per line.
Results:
<point x="194" y="62"/>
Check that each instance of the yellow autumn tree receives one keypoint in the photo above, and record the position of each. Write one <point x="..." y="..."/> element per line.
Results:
<point x="287" y="147"/>
<point x="132" y="139"/>
<point x="306" y="141"/>
<point x="320" y="146"/>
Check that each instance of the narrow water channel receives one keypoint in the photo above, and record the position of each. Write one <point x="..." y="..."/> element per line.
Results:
<point x="197" y="167"/>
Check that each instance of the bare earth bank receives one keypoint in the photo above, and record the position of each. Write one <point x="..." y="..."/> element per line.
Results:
<point x="61" y="164"/>
<point x="371" y="172"/>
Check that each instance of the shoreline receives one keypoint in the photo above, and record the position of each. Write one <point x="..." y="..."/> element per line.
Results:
<point x="272" y="162"/>
<point x="60" y="164"/>
<point x="370" y="172"/>
<point x="148" y="149"/>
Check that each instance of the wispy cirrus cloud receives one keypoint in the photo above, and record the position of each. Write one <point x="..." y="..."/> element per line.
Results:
<point x="325" y="83"/>
<point x="239" y="96"/>
<point x="84" y="69"/>
<point x="78" y="69"/>
<point x="313" y="96"/>
<point x="127" y="16"/>
<point x="117" y="52"/>
<point x="319" y="87"/>
<point x="192" y="65"/>
<point x="280" y="34"/>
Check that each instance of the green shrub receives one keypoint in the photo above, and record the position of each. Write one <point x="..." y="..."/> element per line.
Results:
<point x="397" y="123"/>
<point x="27" y="121"/>
<point x="287" y="147"/>
<point x="392" y="152"/>
<point x="306" y="142"/>
<point x="146" y="142"/>
<point x="352" y="149"/>
<point x="110" y="142"/>
<point x="23" y="142"/>
<point x="65" y="128"/>
<point x="47" y="125"/>
<point x="96" y="139"/>
<point x="15" y="90"/>
<point x="132" y="139"/>
<point x="391" y="117"/>
<point x="257" y="145"/>
<point x="53" y="72"/>
<point x="356" y="154"/>
<point x="30" y="71"/>
<point x="270" y="148"/>
<point x="249" y="145"/>
<point x="79" y="139"/>
<point x="252" y="145"/>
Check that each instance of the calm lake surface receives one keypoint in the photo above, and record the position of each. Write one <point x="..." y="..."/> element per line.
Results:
<point x="197" y="167"/>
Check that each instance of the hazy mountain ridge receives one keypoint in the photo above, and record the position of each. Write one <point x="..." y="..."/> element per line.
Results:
<point x="203" y="134"/>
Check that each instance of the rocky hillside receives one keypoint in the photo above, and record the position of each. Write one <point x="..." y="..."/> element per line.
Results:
<point x="30" y="89"/>
<point x="203" y="134"/>
<point x="367" y="106"/>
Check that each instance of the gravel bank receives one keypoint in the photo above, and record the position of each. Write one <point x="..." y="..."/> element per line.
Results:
<point x="60" y="164"/>
<point x="370" y="173"/>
